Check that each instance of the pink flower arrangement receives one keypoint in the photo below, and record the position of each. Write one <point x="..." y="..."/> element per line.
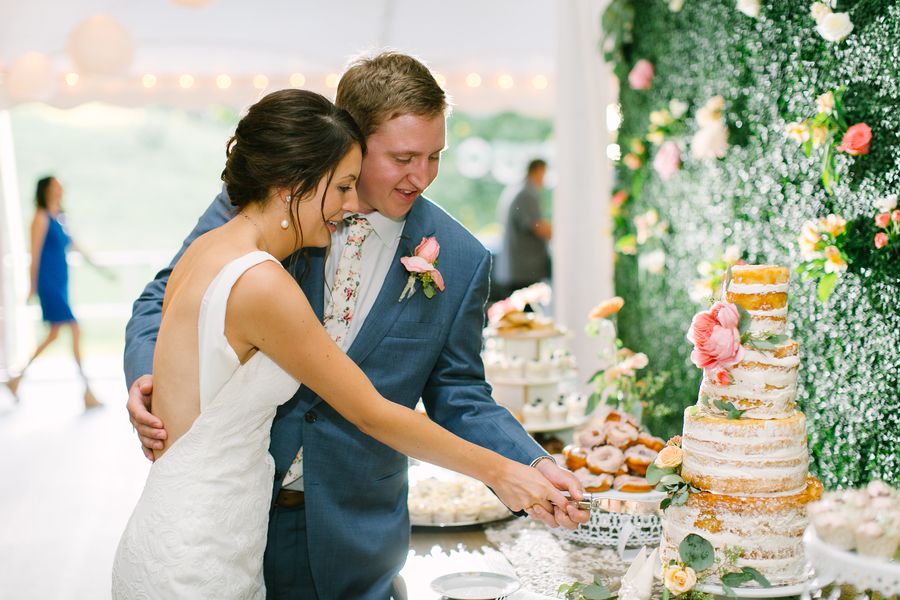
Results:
<point x="716" y="338"/>
<point x="641" y="75"/>
<point x="421" y="265"/>
<point x="856" y="140"/>
<point x="668" y="160"/>
<point x="888" y="220"/>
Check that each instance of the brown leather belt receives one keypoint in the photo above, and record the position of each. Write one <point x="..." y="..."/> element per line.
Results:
<point x="289" y="498"/>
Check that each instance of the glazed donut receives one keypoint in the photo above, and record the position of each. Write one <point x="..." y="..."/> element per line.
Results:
<point x="589" y="438"/>
<point x="576" y="457"/>
<point x="621" y="435"/>
<point x="594" y="483"/>
<point x="605" y="459"/>
<point x="627" y="483"/>
<point x="617" y="416"/>
<point x="654" y="443"/>
<point x="639" y="457"/>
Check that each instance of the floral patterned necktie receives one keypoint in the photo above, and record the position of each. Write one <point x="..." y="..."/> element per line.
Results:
<point x="345" y="289"/>
<point x="339" y="313"/>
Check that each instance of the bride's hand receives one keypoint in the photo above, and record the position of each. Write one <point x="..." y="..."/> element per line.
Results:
<point x="521" y="487"/>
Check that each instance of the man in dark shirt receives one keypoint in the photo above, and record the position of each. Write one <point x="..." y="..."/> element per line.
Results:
<point x="524" y="257"/>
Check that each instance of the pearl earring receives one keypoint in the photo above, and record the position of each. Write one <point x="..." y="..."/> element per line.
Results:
<point x="287" y="202"/>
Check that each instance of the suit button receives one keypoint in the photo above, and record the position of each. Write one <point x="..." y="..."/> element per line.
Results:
<point x="310" y="417"/>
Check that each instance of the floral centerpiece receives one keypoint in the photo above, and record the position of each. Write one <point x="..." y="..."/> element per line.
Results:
<point x="616" y="382"/>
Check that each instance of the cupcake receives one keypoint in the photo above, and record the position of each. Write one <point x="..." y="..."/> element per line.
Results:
<point x="558" y="411"/>
<point x="577" y="405"/>
<point x="874" y="540"/>
<point x="535" y="412"/>
<point x="835" y="529"/>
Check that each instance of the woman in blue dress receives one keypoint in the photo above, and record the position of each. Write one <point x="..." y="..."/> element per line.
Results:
<point x="50" y="276"/>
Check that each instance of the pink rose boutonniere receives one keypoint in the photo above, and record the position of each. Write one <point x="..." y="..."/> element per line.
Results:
<point x="421" y="266"/>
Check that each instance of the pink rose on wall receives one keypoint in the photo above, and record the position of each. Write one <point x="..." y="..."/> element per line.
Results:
<point x="716" y="339"/>
<point x="668" y="160"/>
<point x="883" y="220"/>
<point x="881" y="239"/>
<point x="895" y="216"/>
<point x="856" y="140"/>
<point x="641" y="75"/>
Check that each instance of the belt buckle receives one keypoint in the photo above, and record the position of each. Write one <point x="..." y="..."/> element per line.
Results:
<point x="290" y="498"/>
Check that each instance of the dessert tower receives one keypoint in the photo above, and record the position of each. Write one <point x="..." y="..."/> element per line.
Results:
<point x="744" y="442"/>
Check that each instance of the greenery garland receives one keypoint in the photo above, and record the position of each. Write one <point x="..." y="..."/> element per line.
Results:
<point x="769" y="62"/>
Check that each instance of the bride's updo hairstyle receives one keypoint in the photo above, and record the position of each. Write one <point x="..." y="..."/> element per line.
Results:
<point x="290" y="139"/>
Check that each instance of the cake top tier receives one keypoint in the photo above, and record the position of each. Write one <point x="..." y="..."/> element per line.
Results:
<point x="764" y="274"/>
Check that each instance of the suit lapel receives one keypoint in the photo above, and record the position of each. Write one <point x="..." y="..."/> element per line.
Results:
<point x="387" y="307"/>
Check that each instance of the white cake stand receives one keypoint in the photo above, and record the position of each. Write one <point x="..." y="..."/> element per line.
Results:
<point x="840" y="566"/>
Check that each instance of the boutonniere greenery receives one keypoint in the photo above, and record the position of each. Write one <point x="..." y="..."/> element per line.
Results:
<point x="422" y="265"/>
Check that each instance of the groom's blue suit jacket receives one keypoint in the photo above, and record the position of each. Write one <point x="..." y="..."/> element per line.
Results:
<point x="356" y="487"/>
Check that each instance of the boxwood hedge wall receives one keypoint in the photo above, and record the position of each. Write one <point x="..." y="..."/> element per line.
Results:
<point x="769" y="69"/>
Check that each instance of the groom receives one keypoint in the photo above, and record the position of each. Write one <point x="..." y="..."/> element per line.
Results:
<point x="339" y="527"/>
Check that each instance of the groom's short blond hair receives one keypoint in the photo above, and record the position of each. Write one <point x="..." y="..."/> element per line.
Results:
<point x="376" y="89"/>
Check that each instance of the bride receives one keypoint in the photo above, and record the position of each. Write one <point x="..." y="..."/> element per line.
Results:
<point x="237" y="337"/>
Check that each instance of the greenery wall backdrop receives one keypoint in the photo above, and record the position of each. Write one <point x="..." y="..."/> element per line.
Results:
<point x="769" y="63"/>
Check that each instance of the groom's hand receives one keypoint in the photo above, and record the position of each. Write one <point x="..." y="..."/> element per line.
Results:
<point x="569" y="517"/>
<point x="149" y="428"/>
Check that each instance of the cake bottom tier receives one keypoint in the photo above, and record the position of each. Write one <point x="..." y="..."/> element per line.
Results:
<point x="768" y="530"/>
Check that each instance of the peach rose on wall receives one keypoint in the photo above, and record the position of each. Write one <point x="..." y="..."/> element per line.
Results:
<point x="856" y="140"/>
<point x="716" y="339"/>
<point x="641" y="75"/>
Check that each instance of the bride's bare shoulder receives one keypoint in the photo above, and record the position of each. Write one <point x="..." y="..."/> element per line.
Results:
<point x="265" y="283"/>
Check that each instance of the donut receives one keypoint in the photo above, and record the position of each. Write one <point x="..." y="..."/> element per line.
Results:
<point x="617" y="416"/>
<point x="654" y="443"/>
<point x="628" y="483"/>
<point x="594" y="483"/>
<point x="576" y="457"/>
<point x="621" y="435"/>
<point x="605" y="459"/>
<point x="592" y="437"/>
<point x="639" y="457"/>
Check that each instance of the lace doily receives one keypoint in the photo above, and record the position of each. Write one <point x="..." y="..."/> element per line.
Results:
<point x="542" y="561"/>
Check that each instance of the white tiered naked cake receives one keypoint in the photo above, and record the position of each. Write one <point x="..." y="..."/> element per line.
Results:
<point x="744" y="443"/>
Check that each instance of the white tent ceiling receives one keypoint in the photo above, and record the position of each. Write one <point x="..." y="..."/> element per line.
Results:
<point x="277" y="38"/>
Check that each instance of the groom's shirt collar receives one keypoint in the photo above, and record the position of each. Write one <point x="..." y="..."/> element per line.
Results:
<point x="387" y="230"/>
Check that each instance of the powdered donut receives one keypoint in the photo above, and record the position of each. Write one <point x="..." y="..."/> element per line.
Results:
<point x="639" y="457"/>
<point x="590" y="438"/>
<point x="627" y="483"/>
<point x="576" y="457"/>
<point x="621" y="435"/>
<point x="605" y="459"/>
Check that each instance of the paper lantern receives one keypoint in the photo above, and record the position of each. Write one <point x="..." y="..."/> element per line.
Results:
<point x="31" y="77"/>
<point x="101" y="46"/>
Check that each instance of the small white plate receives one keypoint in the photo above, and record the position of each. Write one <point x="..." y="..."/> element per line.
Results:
<point x="475" y="585"/>
<point x="779" y="591"/>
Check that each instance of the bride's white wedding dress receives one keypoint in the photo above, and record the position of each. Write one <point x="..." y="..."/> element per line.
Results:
<point x="199" y="528"/>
